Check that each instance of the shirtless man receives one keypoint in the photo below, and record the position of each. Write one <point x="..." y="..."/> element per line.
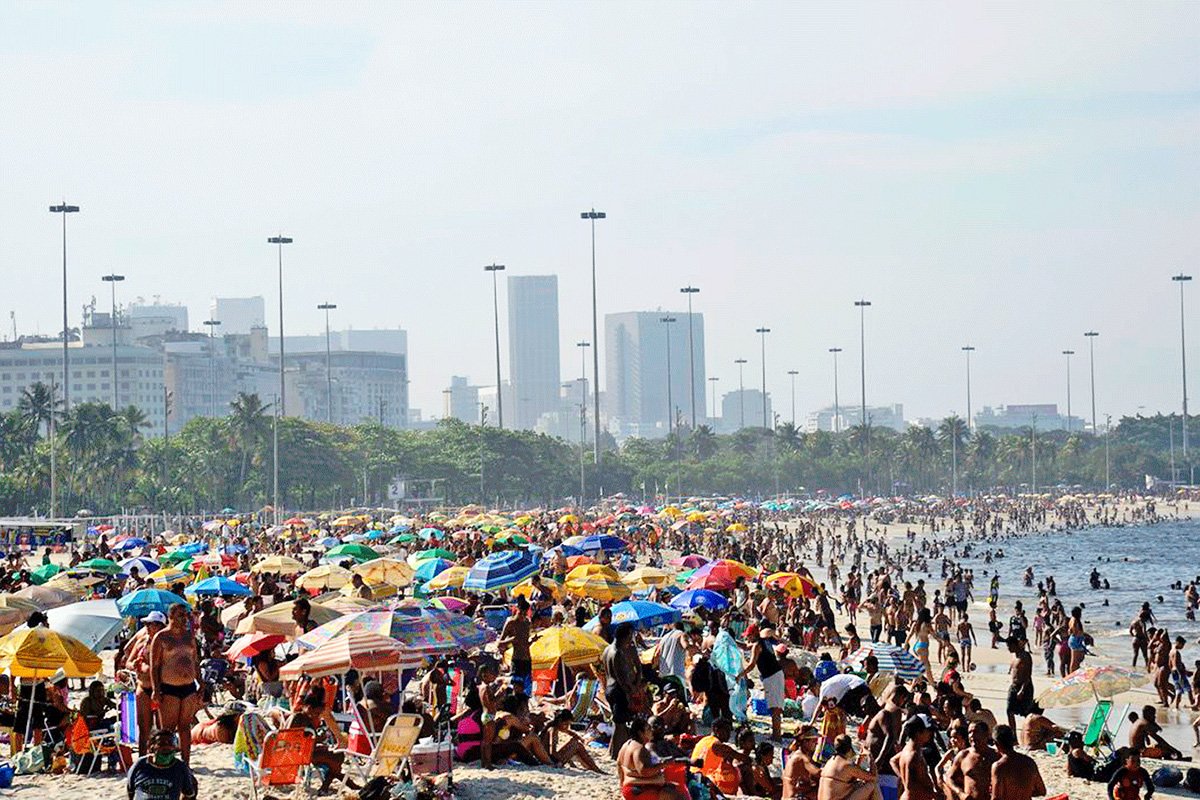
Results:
<point x="515" y="634"/>
<point x="1146" y="737"/>
<point x="637" y="773"/>
<point x="1020" y="690"/>
<point x="970" y="777"/>
<point x="1015" y="776"/>
<point x="842" y="779"/>
<point x="174" y="671"/>
<point x="910" y="765"/>
<point x="883" y="732"/>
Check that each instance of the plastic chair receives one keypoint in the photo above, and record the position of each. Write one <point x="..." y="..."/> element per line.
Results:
<point x="284" y="755"/>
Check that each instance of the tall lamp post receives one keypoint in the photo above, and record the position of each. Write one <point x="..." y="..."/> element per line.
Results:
<point x="668" y="321"/>
<point x="112" y="280"/>
<point x="212" y="324"/>
<point x="837" y="408"/>
<point x="792" y="373"/>
<point x="592" y="215"/>
<point x="741" y="364"/>
<point x="495" y="268"/>
<point x="279" y="241"/>
<point x="762" y="332"/>
<point x="968" y="349"/>
<point x="1091" y="337"/>
<point x="1068" y="354"/>
<point x="327" y="307"/>
<point x="689" y="291"/>
<point x="712" y="382"/>
<point x="1181" y="279"/>
<point x="64" y="209"/>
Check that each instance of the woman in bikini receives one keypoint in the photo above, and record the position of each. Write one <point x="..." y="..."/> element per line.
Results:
<point x="919" y="637"/>
<point x="174" y="674"/>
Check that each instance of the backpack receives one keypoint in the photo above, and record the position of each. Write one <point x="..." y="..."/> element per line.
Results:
<point x="1192" y="780"/>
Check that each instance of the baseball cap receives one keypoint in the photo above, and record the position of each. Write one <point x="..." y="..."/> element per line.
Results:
<point x="155" y="616"/>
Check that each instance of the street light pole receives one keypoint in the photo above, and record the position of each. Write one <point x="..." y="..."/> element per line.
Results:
<point x="1181" y="279"/>
<point x="837" y="409"/>
<point x="668" y="321"/>
<point x="212" y="324"/>
<point x="279" y="241"/>
<point x="968" y="349"/>
<point x="1091" y="337"/>
<point x="1107" y="462"/>
<point x="741" y="362"/>
<point x="793" y="373"/>
<point x="1068" y="354"/>
<point x="64" y="209"/>
<point x="862" y="343"/>
<point x="689" y="291"/>
<point x="494" y="268"/>
<point x="712" y="413"/>
<point x="762" y="332"/>
<point x="592" y="215"/>
<point x="327" y="307"/>
<point x="113" y="279"/>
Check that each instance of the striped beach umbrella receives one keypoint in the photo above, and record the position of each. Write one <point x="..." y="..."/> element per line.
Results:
<point x="897" y="660"/>
<point x="500" y="570"/>
<point x="360" y="650"/>
<point x="423" y="630"/>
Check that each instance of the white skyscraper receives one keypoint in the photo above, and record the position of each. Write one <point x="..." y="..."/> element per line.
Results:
<point x="238" y="314"/>
<point x="533" y="355"/>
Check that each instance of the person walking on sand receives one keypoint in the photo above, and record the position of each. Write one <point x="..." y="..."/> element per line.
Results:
<point x="1076" y="639"/>
<point x="1020" y="690"/>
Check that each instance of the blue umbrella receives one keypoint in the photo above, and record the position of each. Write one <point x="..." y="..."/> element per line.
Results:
<point x="500" y="570"/>
<point x="192" y="548"/>
<point x="218" y="586"/>
<point x="376" y="534"/>
<point x="567" y="550"/>
<point x="144" y="565"/>
<point x="641" y="613"/>
<point x="398" y="529"/>
<point x="430" y="568"/>
<point x="602" y="541"/>
<point x="432" y="533"/>
<point x="234" y="549"/>
<point x="131" y="544"/>
<point x="329" y="541"/>
<point x="143" y="601"/>
<point x="699" y="598"/>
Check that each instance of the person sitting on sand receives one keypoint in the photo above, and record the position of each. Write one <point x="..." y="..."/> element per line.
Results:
<point x="1015" y="776"/>
<point x="1039" y="731"/>
<point x="640" y="777"/>
<point x="311" y="714"/>
<point x="1079" y="763"/>
<point x="564" y="745"/>
<point x="842" y="779"/>
<point x="1146" y="737"/>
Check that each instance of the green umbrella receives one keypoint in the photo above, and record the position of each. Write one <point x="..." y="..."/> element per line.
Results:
<point x="100" y="565"/>
<point x="512" y="536"/>
<point x="433" y="552"/>
<point x="359" y="552"/>
<point x="684" y="577"/>
<point x="172" y="558"/>
<point x="403" y="538"/>
<point x="44" y="573"/>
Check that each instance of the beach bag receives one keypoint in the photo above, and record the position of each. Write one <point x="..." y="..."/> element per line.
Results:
<point x="30" y="761"/>
<point x="1167" y="777"/>
<point x="1192" y="780"/>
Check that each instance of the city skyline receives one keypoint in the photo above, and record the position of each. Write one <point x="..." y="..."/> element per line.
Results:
<point x="1010" y="200"/>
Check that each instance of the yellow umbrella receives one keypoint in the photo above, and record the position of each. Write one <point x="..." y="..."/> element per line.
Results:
<point x="565" y="518"/>
<point x="282" y="565"/>
<point x="597" y="587"/>
<point x="644" y="578"/>
<point x="278" y="619"/>
<point x="378" y="590"/>
<point x="168" y="575"/>
<point x="449" y="578"/>
<point x="525" y="589"/>
<point x="325" y="576"/>
<point x="391" y="571"/>
<point x="40" y="652"/>
<point x="594" y="570"/>
<point x="574" y="646"/>
<point x="672" y="511"/>
<point x="346" y="520"/>
<point x="697" y="516"/>
<point x="737" y="527"/>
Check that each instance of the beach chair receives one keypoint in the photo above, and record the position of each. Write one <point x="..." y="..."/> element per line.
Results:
<point x="1097" y="735"/>
<point x="88" y="747"/>
<point x="543" y="681"/>
<point x="286" y="756"/>
<point x="394" y="746"/>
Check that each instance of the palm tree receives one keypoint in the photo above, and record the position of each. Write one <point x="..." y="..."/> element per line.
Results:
<point x="789" y="436"/>
<point x="38" y="404"/>
<point x="248" y="429"/>
<point x="704" y="442"/>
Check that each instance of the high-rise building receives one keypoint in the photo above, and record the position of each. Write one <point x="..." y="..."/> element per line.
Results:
<point x="851" y="414"/>
<point x="238" y="314"/>
<point x="462" y="400"/>
<point x="155" y="319"/>
<point x="749" y="402"/>
<point x="635" y="356"/>
<point x="533" y="357"/>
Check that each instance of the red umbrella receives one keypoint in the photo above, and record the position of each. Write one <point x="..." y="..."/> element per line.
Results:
<point x="252" y="644"/>
<point x="689" y="562"/>
<point x="712" y="581"/>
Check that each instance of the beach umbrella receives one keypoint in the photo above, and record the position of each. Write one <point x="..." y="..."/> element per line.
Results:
<point x="415" y="559"/>
<point x="172" y="558"/>
<point x="192" y="548"/>
<point x="40" y="653"/>
<point x="325" y="576"/>
<point x="578" y="561"/>
<point x="403" y="538"/>
<point x="568" y="519"/>
<point x="24" y="604"/>
<point x="692" y="561"/>
<point x="430" y="568"/>
<point x="217" y="586"/>
<point x="347" y="520"/>
<point x="360" y="650"/>
<point x="590" y="569"/>
<point x="95" y="623"/>
<point x="794" y="584"/>
<point x="140" y="603"/>
<point x="897" y="660"/>
<point x="168" y="575"/>
<point x="47" y="596"/>
<point x="699" y="598"/>
<point x="736" y="527"/>
<point x="645" y="578"/>
<point x="279" y="565"/>
<point x="346" y="604"/>
<point x="424" y="630"/>
<point x="727" y="569"/>
<point x="107" y="566"/>
<point x="603" y="541"/>
<point x="572" y="646"/>
<point x="1089" y="683"/>
<point x="44" y="573"/>
<point x="432" y="533"/>
<point x="296" y="522"/>
<point x="391" y="571"/>
<point x="132" y="543"/>
<point x="449" y="603"/>
<point x="278" y="619"/>
<point x="500" y="570"/>
<point x="358" y="552"/>
<point x="451" y="578"/>
<point x="640" y="614"/>
<point x="715" y="583"/>
<point x="525" y="589"/>
<point x="252" y="644"/>
<point x="144" y="566"/>
<point x="596" y="585"/>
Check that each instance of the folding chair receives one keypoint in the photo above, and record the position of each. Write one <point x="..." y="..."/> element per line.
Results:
<point x="285" y="754"/>
<point x="584" y="700"/>
<point x="1097" y="729"/>
<point x="395" y="743"/>
<point x="85" y="745"/>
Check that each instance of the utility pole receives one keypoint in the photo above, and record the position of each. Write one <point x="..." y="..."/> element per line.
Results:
<point x="741" y="362"/>
<point x="837" y="409"/>
<point x="494" y="268"/>
<point x="592" y="215"/>
<point x="327" y="307"/>
<point x="968" y="349"/>
<point x="1107" y="461"/>
<point x="1181" y="279"/>
<point x="792" y="373"/>
<point x="712" y="381"/>
<point x="279" y="241"/>
<point x="1068" y="354"/>
<point x="112" y="280"/>
<point x="1091" y="337"/>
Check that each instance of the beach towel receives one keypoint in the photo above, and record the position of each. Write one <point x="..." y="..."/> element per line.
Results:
<point x="727" y="657"/>
<point x="252" y="731"/>
<point x="127" y="714"/>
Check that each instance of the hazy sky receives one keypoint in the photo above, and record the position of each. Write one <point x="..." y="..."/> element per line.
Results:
<point x="1006" y="175"/>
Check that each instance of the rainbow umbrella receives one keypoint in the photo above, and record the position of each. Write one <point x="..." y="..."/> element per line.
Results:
<point x="424" y="630"/>
<point x="449" y="603"/>
<point x="793" y="584"/>
<point x="1089" y="683"/>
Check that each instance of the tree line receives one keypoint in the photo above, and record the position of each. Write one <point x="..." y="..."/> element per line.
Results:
<point x="105" y="462"/>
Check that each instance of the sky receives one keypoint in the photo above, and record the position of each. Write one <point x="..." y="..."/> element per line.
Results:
<point x="1004" y="175"/>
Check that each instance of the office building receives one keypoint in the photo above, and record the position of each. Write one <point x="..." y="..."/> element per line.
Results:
<point x="749" y="402"/>
<point x="461" y="400"/>
<point x="366" y="387"/>
<point x="533" y="354"/>
<point x="1044" y="416"/>
<point x="635" y="357"/>
<point x="879" y="416"/>
<point x="147" y="320"/>
<point x="238" y="314"/>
